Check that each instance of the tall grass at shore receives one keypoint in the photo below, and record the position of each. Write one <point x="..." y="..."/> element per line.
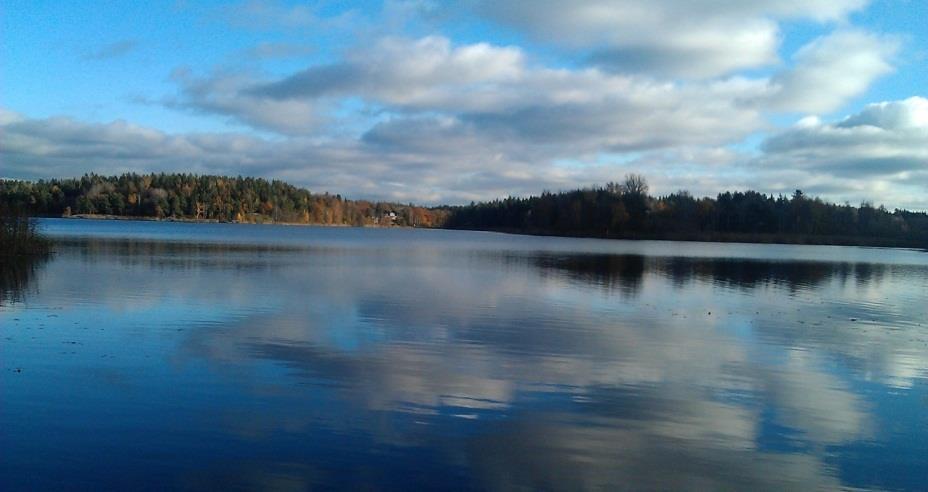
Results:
<point x="19" y="237"/>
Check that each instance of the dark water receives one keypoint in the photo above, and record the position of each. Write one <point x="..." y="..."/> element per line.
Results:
<point x="282" y="358"/>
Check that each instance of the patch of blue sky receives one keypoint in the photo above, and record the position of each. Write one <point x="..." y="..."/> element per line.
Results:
<point x="751" y="143"/>
<point x="599" y="160"/>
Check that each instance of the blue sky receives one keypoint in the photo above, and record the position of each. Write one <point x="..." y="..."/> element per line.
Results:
<point x="433" y="102"/>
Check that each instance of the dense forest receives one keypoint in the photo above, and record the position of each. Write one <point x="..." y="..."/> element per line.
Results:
<point x="616" y="210"/>
<point x="211" y="198"/>
<point x="626" y="210"/>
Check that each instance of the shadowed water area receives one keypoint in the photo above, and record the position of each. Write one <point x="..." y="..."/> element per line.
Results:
<point x="170" y="355"/>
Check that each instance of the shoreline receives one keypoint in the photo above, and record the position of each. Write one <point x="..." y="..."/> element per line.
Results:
<point x="727" y="238"/>
<point x="189" y="220"/>
<point x="682" y="237"/>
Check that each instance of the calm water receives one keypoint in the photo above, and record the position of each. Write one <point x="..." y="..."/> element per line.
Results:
<point x="158" y="355"/>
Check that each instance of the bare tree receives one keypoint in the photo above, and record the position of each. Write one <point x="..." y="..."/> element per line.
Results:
<point x="635" y="185"/>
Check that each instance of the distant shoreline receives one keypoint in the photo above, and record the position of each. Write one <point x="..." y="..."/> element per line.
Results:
<point x="190" y="220"/>
<point x="616" y="210"/>
<point x="807" y="240"/>
<point x="137" y="218"/>
<point x="799" y="240"/>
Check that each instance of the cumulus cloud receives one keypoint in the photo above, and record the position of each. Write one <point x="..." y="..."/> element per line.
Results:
<point x="468" y="122"/>
<point x="436" y="159"/>
<point x="224" y="94"/>
<point x="884" y="139"/>
<point x="690" y="38"/>
<point x="427" y="72"/>
<point x="456" y="170"/>
<point x="472" y="121"/>
<point x="431" y="160"/>
<point x="832" y="69"/>
<point x="884" y="147"/>
<point x="494" y="91"/>
<point x="58" y="146"/>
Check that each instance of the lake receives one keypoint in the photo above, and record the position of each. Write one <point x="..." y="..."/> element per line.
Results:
<point x="153" y="355"/>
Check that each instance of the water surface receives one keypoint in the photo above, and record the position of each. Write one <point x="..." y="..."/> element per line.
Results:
<point x="172" y="355"/>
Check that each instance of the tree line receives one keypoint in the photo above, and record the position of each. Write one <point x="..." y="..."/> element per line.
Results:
<point x="211" y="198"/>
<point x="617" y="210"/>
<point x="626" y="210"/>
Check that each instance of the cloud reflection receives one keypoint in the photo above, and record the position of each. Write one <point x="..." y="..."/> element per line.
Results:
<point x="544" y="370"/>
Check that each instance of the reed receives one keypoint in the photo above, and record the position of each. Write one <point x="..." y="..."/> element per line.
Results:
<point x="19" y="237"/>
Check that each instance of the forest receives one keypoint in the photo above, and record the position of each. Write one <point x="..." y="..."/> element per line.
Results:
<point x="207" y="198"/>
<point x="617" y="210"/>
<point x="626" y="210"/>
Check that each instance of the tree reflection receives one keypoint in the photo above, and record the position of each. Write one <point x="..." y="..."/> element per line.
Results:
<point x="16" y="275"/>
<point x="626" y="273"/>
<point x="622" y="272"/>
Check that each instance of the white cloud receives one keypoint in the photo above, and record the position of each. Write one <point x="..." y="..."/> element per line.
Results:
<point x="436" y="159"/>
<point x="691" y="38"/>
<point x="886" y="138"/>
<point x="832" y="69"/>
<point x="461" y="168"/>
<point x="427" y="72"/>
<point x="883" y="147"/>
<point x="225" y="94"/>
<point x="494" y="91"/>
<point x="473" y="121"/>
